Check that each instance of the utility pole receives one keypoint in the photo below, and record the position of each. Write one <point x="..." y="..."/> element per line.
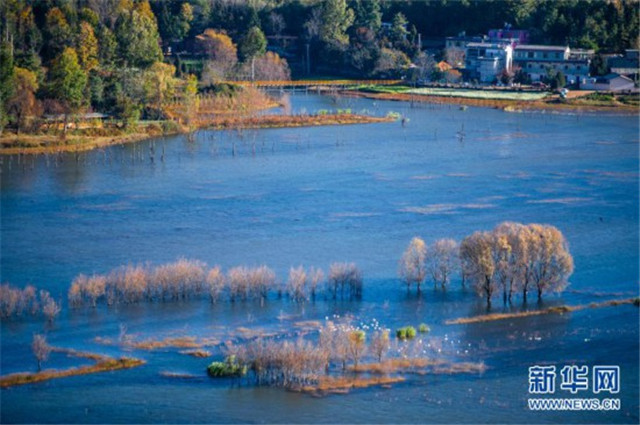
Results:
<point x="308" y="60"/>
<point x="253" y="68"/>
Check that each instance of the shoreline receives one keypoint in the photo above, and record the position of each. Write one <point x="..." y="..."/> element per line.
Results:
<point x="504" y="104"/>
<point x="549" y="310"/>
<point x="83" y="143"/>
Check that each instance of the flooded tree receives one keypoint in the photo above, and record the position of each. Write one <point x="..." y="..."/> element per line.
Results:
<point x="517" y="261"/>
<point x="552" y="264"/>
<point x="346" y="277"/>
<point x="476" y="250"/>
<point x="50" y="308"/>
<point x="380" y="344"/>
<point x="215" y="283"/>
<point x="514" y="257"/>
<point x="357" y="344"/>
<point x="296" y="284"/>
<point x="284" y="363"/>
<point x="442" y="261"/>
<point x="41" y="349"/>
<point x="412" y="267"/>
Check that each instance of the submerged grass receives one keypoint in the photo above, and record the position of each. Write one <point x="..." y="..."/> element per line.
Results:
<point x="282" y="121"/>
<point x="343" y="384"/>
<point x="419" y="365"/>
<point x="551" y="310"/>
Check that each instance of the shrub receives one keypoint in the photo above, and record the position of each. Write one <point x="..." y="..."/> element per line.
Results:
<point x="228" y="368"/>
<point x="408" y="332"/>
<point x="424" y="328"/>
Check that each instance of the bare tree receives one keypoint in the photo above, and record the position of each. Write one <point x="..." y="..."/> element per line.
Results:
<point x="380" y="343"/>
<point x="357" y="344"/>
<point x="412" y="267"/>
<point x="479" y="262"/>
<point x="315" y="276"/>
<point x="215" y="283"/>
<point x="552" y="262"/>
<point x="296" y="284"/>
<point x="40" y="349"/>
<point x="50" y="308"/>
<point x="345" y="276"/>
<point x="442" y="261"/>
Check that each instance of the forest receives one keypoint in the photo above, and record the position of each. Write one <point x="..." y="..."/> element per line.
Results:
<point x="128" y="58"/>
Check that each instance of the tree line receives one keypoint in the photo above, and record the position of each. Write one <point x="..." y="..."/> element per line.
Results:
<point x="511" y="259"/>
<point x="27" y="301"/>
<point x="62" y="56"/>
<point x="185" y="279"/>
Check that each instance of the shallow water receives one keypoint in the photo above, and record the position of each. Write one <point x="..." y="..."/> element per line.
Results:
<point x="312" y="196"/>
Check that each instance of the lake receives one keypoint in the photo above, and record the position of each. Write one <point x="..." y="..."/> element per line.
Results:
<point x="312" y="196"/>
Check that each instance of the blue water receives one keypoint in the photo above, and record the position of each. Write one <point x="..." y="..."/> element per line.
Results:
<point x="312" y="196"/>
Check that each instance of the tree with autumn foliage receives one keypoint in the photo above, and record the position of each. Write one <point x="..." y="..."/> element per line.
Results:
<point x="22" y="105"/>
<point x="221" y="55"/>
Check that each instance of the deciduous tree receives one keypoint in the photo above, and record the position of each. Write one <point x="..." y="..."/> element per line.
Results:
<point x="41" y="349"/>
<point x="412" y="267"/>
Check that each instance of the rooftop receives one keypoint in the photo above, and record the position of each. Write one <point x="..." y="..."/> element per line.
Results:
<point x="541" y="47"/>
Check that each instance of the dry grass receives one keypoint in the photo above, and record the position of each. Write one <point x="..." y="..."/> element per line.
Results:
<point x="105" y="364"/>
<point x="281" y="121"/>
<point x="551" y="310"/>
<point x="173" y="342"/>
<point x="11" y="144"/>
<point x="178" y="375"/>
<point x="197" y="353"/>
<point x="342" y="385"/>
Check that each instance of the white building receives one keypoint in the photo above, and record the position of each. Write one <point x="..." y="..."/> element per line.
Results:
<point x="537" y="61"/>
<point x="485" y="61"/>
<point x="609" y="82"/>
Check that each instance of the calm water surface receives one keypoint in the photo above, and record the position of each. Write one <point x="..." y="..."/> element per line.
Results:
<point x="311" y="196"/>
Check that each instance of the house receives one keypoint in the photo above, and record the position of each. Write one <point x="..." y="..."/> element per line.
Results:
<point x="537" y="61"/>
<point x="628" y="65"/>
<point x="485" y="61"/>
<point x="582" y="54"/>
<point x="541" y="52"/>
<point x="609" y="82"/>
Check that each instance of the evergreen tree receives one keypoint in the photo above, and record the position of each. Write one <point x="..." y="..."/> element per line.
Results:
<point x="137" y="36"/>
<point x="253" y="44"/>
<point x="67" y="81"/>
<point x="336" y="18"/>
<point x="58" y="33"/>
<point x="6" y="80"/>
<point x="367" y="15"/>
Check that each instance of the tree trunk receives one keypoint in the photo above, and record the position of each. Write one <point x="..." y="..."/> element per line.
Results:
<point x="539" y="293"/>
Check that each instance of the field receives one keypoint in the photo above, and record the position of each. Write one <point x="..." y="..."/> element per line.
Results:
<point x="479" y="94"/>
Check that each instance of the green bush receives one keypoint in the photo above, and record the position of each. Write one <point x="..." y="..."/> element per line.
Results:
<point x="411" y="332"/>
<point x="408" y="332"/>
<point x="424" y="328"/>
<point x="228" y="368"/>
